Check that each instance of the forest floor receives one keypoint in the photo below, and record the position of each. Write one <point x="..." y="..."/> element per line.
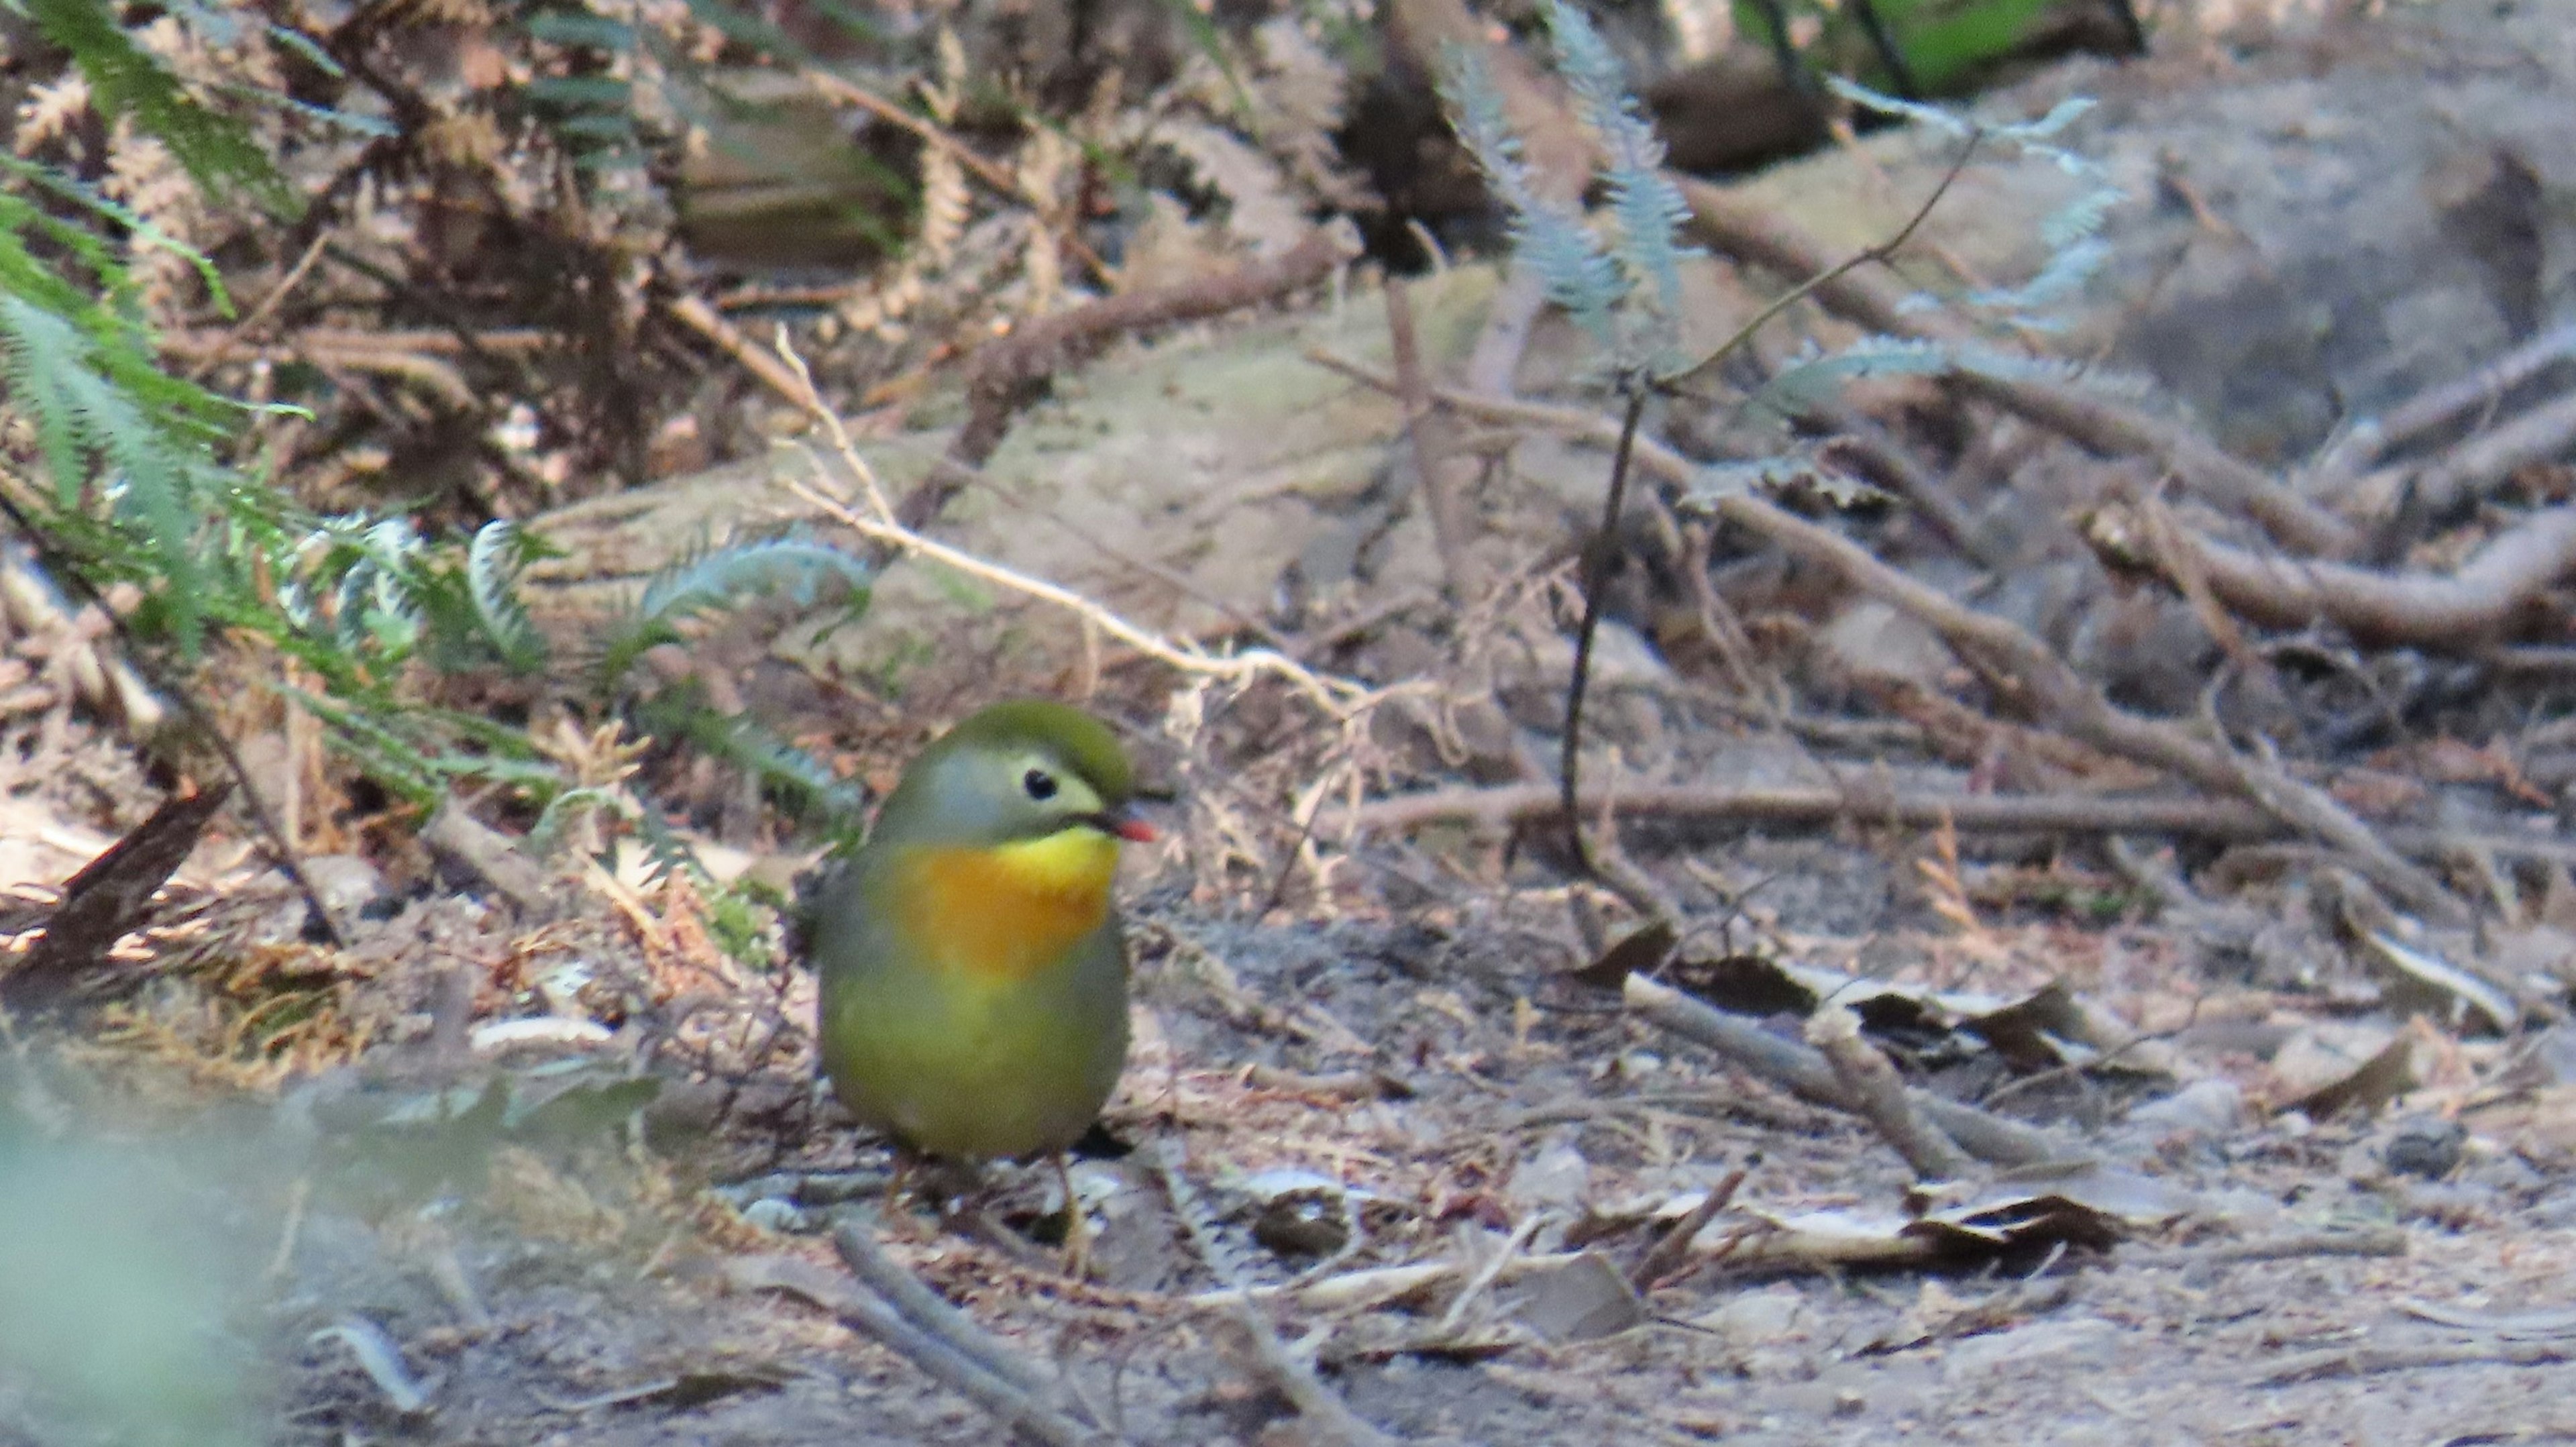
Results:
<point x="2277" y="1165"/>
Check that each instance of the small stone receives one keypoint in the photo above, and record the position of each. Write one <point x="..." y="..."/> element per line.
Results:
<point x="770" y="1213"/>
<point x="2426" y="1146"/>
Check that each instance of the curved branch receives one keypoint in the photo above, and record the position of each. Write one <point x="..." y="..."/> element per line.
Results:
<point x="2471" y="608"/>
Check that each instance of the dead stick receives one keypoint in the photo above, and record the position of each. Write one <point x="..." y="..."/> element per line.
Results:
<point x="2061" y="695"/>
<point x="2366" y="1361"/>
<point x="1804" y="1073"/>
<point x="873" y="1317"/>
<point x="2225" y="819"/>
<point x="1005" y="375"/>
<point x="925" y="1308"/>
<point x="2487" y="460"/>
<point x="1435" y="452"/>
<point x="694" y="313"/>
<point x="2463" y="612"/>
<point x="1870" y="1083"/>
<point x="2221" y="820"/>
<point x="1673" y="1247"/>
<point x="2374" y="438"/>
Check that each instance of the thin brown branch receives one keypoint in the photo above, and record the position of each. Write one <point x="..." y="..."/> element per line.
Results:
<point x="2361" y="448"/>
<point x="2019" y="662"/>
<point x="1876" y="1094"/>
<point x="1822" y="279"/>
<point x="878" y="524"/>
<point x="1805" y="1073"/>
<point x="2363" y="1361"/>
<point x="2477" y="464"/>
<point x="1438" y="468"/>
<point x="1655" y="457"/>
<point x="874" y="1317"/>
<point x="2508" y="580"/>
<point x="2222" y="820"/>
<point x="1673" y="1247"/>
<point x="1596" y="586"/>
<point x="999" y="179"/>
<point x="694" y="313"/>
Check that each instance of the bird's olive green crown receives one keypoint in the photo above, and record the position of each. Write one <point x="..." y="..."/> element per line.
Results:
<point x="1017" y="770"/>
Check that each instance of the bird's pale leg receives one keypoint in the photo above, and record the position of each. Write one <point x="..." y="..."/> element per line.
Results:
<point x="1077" y="1225"/>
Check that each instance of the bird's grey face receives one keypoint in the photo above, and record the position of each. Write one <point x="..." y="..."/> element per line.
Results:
<point x="1025" y="793"/>
<point x="995" y="796"/>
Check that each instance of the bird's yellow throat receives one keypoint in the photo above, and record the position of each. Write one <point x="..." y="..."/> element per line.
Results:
<point x="1007" y="911"/>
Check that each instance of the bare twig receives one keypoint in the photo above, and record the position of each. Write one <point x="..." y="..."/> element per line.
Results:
<point x="1804" y="1073"/>
<point x="925" y="1309"/>
<point x="1673" y="1247"/>
<point x="1292" y="1378"/>
<point x="1338" y="697"/>
<point x="873" y="1317"/>
<point x="2508" y="578"/>
<point x="693" y="312"/>
<point x="1596" y="587"/>
<point x="2289" y="1246"/>
<point x="1006" y="376"/>
<point x="1656" y="458"/>
<point x="2343" y="462"/>
<point x="2363" y="1361"/>
<point x="1482" y="1279"/>
<point x="1823" y="279"/>
<point x="2022" y="662"/>
<point x="2219" y="819"/>
<point x="1871" y="1085"/>
<point x="1436" y="464"/>
<point x="1374" y="1285"/>
<point x="2478" y="463"/>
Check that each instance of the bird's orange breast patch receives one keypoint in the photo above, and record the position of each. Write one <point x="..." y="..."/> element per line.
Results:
<point x="1010" y="911"/>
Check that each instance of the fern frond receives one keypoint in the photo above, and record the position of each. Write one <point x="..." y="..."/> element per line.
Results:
<point x="41" y="353"/>
<point x="156" y="480"/>
<point x="217" y="151"/>
<point x="719" y="578"/>
<point x="494" y="562"/>
<point x="2065" y="274"/>
<point x="1646" y="206"/>
<point x="80" y="193"/>
<point x="665" y="851"/>
<point x="806" y="783"/>
<point x="1810" y="382"/>
<point x="1567" y="257"/>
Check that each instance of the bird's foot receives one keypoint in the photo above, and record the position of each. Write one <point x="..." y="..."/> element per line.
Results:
<point x="1077" y="1225"/>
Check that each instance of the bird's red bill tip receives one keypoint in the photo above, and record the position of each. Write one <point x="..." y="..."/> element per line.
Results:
<point x="1137" y="830"/>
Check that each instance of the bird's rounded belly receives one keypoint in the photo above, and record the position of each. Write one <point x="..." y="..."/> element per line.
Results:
<point x="978" y="1071"/>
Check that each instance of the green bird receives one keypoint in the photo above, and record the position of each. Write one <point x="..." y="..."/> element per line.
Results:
<point x="972" y="963"/>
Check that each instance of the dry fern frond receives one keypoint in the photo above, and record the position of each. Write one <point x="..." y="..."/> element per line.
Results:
<point x="1301" y="93"/>
<point x="947" y="204"/>
<point x="143" y="174"/>
<point x="1260" y="211"/>
<point x="50" y="110"/>
<point x="1046" y="166"/>
<point x="469" y="140"/>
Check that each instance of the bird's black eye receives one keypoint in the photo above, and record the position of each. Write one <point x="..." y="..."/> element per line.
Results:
<point x="1040" y="784"/>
